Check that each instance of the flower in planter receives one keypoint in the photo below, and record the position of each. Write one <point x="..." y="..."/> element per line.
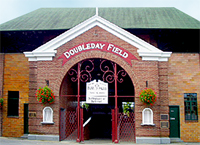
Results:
<point x="148" y="96"/>
<point x="1" y="103"/>
<point x="45" y="95"/>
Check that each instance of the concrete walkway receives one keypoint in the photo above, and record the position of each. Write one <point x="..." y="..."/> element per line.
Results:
<point x="20" y="141"/>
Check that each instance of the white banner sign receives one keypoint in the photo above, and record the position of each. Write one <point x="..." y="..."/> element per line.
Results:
<point x="97" y="92"/>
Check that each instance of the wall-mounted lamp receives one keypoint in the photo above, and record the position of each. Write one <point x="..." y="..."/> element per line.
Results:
<point x="47" y="82"/>
<point x="147" y="84"/>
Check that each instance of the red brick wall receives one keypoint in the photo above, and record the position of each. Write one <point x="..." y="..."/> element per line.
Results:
<point x="38" y="73"/>
<point x="140" y="72"/>
<point x="1" y="87"/>
<point x="184" y="77"/>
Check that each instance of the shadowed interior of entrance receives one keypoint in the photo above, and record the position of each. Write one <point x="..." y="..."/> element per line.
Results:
<point x="100" y="115"/>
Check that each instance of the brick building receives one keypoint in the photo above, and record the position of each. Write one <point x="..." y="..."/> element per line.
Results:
<point x="129" y="49"/>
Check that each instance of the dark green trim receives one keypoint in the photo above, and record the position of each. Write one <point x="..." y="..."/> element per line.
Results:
<point x="170" y="116"/>
<point x="26" y="131"/>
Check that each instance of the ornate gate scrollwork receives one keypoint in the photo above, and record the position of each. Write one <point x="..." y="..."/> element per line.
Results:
<point x="106" y="68"/>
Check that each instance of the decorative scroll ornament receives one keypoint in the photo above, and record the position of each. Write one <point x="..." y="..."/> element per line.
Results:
<point x="109" y="74"/>
<point x="106" y="71"/>
<point x="85" y="71"/>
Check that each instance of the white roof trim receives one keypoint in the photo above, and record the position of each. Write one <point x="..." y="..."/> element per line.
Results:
<point x="48" y="50"/>
<point x="155" y="56"/>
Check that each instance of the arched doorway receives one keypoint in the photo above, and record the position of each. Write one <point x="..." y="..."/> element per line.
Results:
<point x="98" y="118"/>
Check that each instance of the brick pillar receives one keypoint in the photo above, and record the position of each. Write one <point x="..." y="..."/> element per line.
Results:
<point x="1" y="88"/>
<point x="163" y="91"/>
<point x="32" y="91"/>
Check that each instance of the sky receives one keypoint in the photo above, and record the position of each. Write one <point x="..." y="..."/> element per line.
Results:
<point x="10" y="9"/>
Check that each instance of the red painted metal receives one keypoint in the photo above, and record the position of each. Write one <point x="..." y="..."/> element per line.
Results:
<point x="113" y="125"/>
<point x="62" y="126"/>
<point x="68" y="119"/>
<point x="116" y="107"/>
<point x="110" y="73"/>
<point x="82" y="128"/>
<point x="71" y="118"/>
<point x="85" y="72"/>
<point x="126" y="127"/>
<point x="78" y="139"/>
<point x="68" y="125"/>
<point x="74" y="74"/>
<point x="121" y="73"/>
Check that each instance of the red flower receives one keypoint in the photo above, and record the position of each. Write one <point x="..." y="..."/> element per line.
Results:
<point x="148" y="96"/>
<point x="45" y="95"/>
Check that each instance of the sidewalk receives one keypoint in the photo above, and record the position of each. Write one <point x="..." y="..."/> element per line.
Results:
<point x="19" y="141"/>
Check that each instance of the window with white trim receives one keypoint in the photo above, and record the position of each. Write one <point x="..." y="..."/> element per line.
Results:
<point x="47" y="115"/>
<point x="147" y="117"/>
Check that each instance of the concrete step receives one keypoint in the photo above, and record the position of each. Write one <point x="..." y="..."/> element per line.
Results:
<point x="25" y="136"/>
<point x="175" y="140"/>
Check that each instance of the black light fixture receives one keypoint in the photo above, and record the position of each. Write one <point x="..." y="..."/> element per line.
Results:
<point x="47" y="82"/>
<point x="147" y="84"/>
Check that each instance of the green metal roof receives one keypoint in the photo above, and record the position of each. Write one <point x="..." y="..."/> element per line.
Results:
<point x="66" y="18"/>
<point x="149" y="18"/>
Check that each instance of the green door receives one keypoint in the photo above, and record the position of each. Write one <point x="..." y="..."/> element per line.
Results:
<point x="174" y="122"/>
<point x="25" y="118"/>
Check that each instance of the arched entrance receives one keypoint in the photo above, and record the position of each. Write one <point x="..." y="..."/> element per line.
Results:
<point x="114" y="120"/>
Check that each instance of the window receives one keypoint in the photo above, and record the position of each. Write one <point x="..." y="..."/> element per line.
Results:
<point x="13" y="103"/>
<point x="147" y="117"/>
<point x="47" y="115"/>
<point x="190" y="102"/>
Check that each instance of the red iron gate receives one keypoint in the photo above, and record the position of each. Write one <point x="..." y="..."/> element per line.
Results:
<point x="68" y="125"/>
<point x="126" y="127"/>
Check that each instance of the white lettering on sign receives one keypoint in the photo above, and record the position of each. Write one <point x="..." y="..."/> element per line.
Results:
<point x="101" y="46"/>
<point x="97" y="92"/>
<point x="83" y="48"/>
<point x="117" y="50"/>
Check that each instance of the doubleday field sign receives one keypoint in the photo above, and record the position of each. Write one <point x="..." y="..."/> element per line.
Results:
<point x="102" y="46"/>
